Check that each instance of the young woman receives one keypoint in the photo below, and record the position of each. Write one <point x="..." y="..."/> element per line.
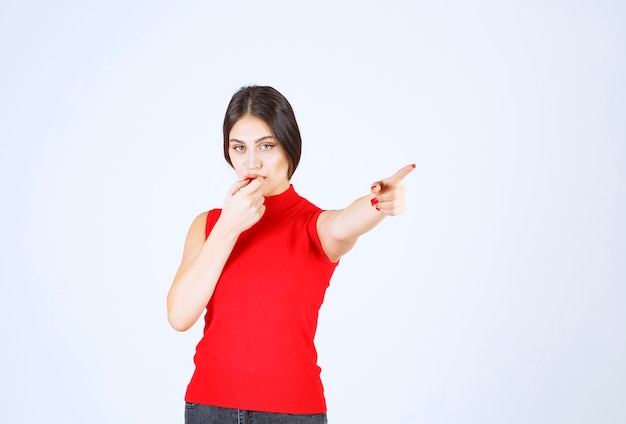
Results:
<point x="260" y="267"/>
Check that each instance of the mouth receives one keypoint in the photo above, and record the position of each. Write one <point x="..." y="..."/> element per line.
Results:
<point x="251" y="177"/>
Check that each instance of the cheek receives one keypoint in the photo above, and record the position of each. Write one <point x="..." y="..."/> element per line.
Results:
<point x="283" y="162"/>
<point x="235" y="159"/>
<point x="236" y="162"/>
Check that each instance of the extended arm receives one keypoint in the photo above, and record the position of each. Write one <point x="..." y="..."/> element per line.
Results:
<point x="340" y="229"/>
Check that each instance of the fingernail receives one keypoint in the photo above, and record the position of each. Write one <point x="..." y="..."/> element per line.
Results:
<point x="377" y="208"/>
<point x="374" y="186"/>
<point x="413" y="165"/>
<point x="374" y="202"/>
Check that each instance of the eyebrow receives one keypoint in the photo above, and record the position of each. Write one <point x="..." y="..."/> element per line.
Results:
<point x="267" y="137"/>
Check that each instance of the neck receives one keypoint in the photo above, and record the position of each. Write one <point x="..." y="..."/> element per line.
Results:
<point x="281" y="201"/>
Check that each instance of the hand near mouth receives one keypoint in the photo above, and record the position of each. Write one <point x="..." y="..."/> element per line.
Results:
<point x="243" y="206"/>
<point x="249" y="178"/>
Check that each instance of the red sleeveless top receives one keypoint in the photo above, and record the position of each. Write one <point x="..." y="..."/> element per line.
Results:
<point x="257" y="350"/>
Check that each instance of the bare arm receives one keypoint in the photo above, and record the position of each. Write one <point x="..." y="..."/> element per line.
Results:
<point x="203" y="260"/>
<point x="339" y="230"/>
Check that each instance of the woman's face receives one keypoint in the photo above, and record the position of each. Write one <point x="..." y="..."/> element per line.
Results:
<point x="255" y="153"/>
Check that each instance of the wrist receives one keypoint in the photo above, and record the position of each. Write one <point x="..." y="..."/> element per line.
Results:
<point x="225" y="231"/>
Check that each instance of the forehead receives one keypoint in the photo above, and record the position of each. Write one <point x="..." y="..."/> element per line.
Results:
<point x="249" y="128"/>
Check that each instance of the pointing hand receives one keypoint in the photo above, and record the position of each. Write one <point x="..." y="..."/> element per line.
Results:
<point x="388" y="195"/>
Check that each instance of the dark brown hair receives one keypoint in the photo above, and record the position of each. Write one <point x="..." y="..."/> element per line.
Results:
<point x="267" y="104"/>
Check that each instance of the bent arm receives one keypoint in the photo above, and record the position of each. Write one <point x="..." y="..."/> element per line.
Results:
<point x="199" y="271"/>
<point x="203" y="260"/>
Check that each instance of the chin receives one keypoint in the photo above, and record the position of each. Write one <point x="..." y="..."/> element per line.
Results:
<point x="272" y="190"/>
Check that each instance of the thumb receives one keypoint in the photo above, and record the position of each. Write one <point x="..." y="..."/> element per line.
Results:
<point x="394" y="180"/>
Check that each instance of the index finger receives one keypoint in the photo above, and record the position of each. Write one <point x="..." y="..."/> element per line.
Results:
<point x="252" y="185"/>
<point x="397" y="177"/>
<point x="239" y="184"/>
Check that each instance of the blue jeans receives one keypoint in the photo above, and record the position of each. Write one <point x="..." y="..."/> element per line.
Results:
<point x="196" y="413"/>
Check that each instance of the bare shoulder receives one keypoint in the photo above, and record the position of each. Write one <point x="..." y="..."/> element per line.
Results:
<point x="200" y="218"/>
<point x="198" y="225"/>
<point x="196" y="233"/>
<point x="195" y="239"/>
<point x="333" y="247"/>
<point x="324" y="218"/>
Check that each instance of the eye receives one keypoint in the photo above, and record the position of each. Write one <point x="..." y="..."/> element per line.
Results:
<point x="266" y="146"/>
<point x="238" y="148"/>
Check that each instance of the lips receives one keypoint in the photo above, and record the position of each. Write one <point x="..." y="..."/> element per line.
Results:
<point x="251" y="177"/>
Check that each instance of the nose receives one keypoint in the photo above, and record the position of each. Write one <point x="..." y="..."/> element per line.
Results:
<point x="253" y="161"/>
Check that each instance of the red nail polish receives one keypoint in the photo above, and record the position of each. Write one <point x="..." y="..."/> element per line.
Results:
<point x="374" y="186"/>
<point x="413" y="165"/>
<point x="377" y="208"/>
<point x="374" y="201"/>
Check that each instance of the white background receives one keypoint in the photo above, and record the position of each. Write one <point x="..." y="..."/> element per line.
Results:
<point x="497" y="297"/>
